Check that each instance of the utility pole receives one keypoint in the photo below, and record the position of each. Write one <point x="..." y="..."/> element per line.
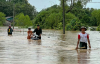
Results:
<point x="13" y="14"/>
<point x="63" y="17"/>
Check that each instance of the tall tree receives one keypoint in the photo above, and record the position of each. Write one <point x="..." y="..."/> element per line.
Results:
<point x="96" y="15"/>
<point x="71" y="3"/>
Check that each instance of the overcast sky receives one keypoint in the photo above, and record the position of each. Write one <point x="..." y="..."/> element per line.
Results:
<point x="42" y="4"/>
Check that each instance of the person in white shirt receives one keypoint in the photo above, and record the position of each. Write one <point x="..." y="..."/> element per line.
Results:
<point x="83" y="38"/>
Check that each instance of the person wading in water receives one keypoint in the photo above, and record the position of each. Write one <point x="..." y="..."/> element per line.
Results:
<point x="38" y="31"/>
<point x="29" y="32"/>
<point x="83" y="38"/>
<point x="9" y="30"/>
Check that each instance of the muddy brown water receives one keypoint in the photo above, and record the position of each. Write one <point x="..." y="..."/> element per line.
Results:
<point x="53" y="48"/>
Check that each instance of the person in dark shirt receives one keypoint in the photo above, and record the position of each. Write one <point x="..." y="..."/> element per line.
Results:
<point x="38" y="31"/>
<point x="9" y="30"/>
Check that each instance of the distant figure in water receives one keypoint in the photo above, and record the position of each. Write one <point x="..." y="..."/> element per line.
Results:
<point x="29" y="33"/>
<point x="38" y="31"/>
<point x="9" y="30"/>
<point x="83" y="38"/>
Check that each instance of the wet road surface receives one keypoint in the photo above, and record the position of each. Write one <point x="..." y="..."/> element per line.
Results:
<point x="53" y="48"/>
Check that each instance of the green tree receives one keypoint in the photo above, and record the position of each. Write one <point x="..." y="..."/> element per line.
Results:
<point x="20" y="6"/>
<point x="22" y="20"/>
<point x="69" y="16"/>
<point x="2" y="18"/>
<point x="96" y="15"/>
<point x="70" y="4"/>
<point x="6" y="8"/>
<point x="86" y="20"/>
<point x="27" y="9"/>
<point x="53" y="20"/>
<point x="75" y="15"/>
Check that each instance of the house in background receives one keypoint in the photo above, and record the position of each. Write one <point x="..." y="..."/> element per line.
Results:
<point x="9" y="20"/>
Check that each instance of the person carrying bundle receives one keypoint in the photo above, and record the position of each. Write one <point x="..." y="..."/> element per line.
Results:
<point x="83" y="38"/>
<point x="38" y="31"/>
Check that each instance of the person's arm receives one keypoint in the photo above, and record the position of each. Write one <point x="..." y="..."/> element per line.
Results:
<point x="78" y="41"/>
<point x="28" y="33"/>
<point x="31" y="34"/>
<point x="12" y="29"/>
<point x="88" y="41"/>
<point x="34" y="31"/>
<point x="40" y="32"/>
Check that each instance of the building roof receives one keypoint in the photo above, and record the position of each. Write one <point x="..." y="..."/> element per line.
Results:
<point x="10" y="18"/>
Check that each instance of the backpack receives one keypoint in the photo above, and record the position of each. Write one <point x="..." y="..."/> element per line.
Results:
<point x="9" y="30"/>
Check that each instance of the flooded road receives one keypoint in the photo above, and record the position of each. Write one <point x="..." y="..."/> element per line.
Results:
<point x="53" y="48"/>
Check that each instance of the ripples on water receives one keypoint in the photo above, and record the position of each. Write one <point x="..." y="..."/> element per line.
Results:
<point x="53" y="48"/>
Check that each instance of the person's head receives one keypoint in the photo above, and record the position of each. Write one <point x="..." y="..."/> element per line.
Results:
<point x="9" y="26"/>
<point x="38" y="26"/>
<point x="83" y="29"/>
<point x="29" y="29"/>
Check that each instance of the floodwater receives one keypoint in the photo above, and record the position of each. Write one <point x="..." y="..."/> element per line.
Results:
<point x="53" y="48"/>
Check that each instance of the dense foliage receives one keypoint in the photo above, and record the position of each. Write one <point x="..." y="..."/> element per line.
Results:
<point x="22" y="20"/>
<point x="2" y="18"/>
<point x="76" y="15"/>
<point x="19" y="6"/>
